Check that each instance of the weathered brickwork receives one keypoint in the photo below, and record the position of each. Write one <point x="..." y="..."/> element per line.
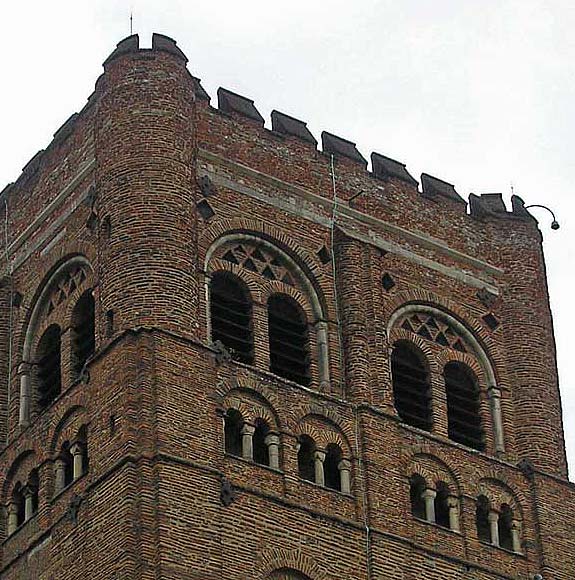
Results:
<point x="126" y="472"/>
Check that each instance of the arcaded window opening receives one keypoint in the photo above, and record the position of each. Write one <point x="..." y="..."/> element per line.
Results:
<point x="83" y="332"/>
<point x="261" y="450"/>
<point x="49" y="366"/>
<point x="306" y="458"/>
<point x="19" y="502"/>
<point x="411" y="390"/>
<point x="331" y="462"/>
<point x="68" y="461"/>
<point x="505" y="525"/>
<point x="482" y="519"/>
<point x="231" y="316"/>
<point x="288" y="339"/>
<point x="417" y="486"/>
<point x="463" y="406"/>
<point x="233" y="423"/>
<point x="442" y="505"/>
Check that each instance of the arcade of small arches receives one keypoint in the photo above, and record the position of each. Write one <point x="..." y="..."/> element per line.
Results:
<point x="25" y="484"/>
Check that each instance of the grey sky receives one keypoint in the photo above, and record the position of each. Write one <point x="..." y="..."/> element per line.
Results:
<point x="479" y="93"/>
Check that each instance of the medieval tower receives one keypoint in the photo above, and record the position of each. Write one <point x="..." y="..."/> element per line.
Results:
<point x="228" y="353"/>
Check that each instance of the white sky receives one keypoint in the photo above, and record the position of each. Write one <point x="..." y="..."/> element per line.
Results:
<point x="479" y="93"/>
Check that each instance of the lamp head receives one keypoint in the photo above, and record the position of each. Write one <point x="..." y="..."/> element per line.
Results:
<point x="554" y="225"/>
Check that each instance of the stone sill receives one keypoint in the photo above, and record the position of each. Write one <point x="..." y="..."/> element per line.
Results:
<point x="20" y="527"/>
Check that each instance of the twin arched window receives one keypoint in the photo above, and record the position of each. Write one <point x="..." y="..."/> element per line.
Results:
<point x="231" y="316"/>
<point x="412" y="395"/>
<point x="433" y="503"/>
<point x="497" y="526"/>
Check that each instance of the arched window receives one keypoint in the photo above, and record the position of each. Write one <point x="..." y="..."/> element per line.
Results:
<point x="442" y="505"/>
<point x="417" y="486"/>
<point x="68" y="461"/>
<point x="504" y="524"/>
<point x="32" y="492"/>
<point x="482" y="519"/>
<point x="233" y="424"/>
<point x="306" y="459"/>
<point x="463" y="418"/>
<point x="333" y="456"/>
<point x="287" y="574"/>
<point x="20" y="502"/>
<point x="83" y="332"/>
<point x="288" y="338"/>
<point x="231" y="316"/>
<point x="261" y="451"/>
<point x="411" y="390"/>
<point x="49" y="361"/>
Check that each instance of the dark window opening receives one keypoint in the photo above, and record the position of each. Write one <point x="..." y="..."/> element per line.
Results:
<point x="83" y="441"/>
<point x="482" y="519"/>
<point x="306" y="458"/>
<point x="261" y="453"/>
<point x="411" y="390"/>
<point x="417" y="486"/>
<point x="463" y="416"/>
<point x="233" y="432"/>
<point x="289" y="355"/>
<point x="18" y="499"/>
<point x="68" y="459"/>
<point x="504" y="524"/>
<point x="83" y="332"/>
<point x="49" y="360"/>
<point x="33" y="488"/>
<point x="442" y="505"/>
<point x="231" y="316"/>
<point x="331" y="467"/>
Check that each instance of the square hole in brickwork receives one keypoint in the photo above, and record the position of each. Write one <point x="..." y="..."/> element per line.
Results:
<point x="491" y="321"/>
<point x="205" y="210"/>
<point x="387" y="282"/>
<point x="323" y="255"/>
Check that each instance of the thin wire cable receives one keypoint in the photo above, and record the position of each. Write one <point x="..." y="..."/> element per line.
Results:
<point x="10" y="313"/>
<point x="334" y="272"/>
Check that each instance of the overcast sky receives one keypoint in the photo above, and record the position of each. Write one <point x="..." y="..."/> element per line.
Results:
<point x="479" y="93"/>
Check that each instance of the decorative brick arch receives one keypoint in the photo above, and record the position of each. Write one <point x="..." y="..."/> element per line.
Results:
<point x="252" y="406"/>
<point x="68" y="426"/>
<point x="399" y="334"/>
<point x="281" y="559"/>
<point x="498" y="492"/>
<point x="247" y="384"/>
<point x="483" y="366"/>
<point x="19" y="470"/>
<point x="432" y="469"/>
<point x="324" y="432"/>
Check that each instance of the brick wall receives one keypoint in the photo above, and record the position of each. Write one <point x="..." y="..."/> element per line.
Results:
<point x="121" y="185"/>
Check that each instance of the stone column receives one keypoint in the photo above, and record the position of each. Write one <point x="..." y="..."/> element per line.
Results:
<point x="516" y="535"/>
<point x="495" y="402"/>
<point x="453" y="505"/>
<point x="273" y="443"/>
<point x="77" y="451"/>
<point x="24" y="412"/>
<point x="60" y="475"/>
<point x="12" y="517"/>
<point x="493" y="518"/>
<point x="344" y="467"/>
<point x="247" y="441"/>
<point x="322" y="354"/>
<point x="319" y="458"/>
<point x="28" y="503"/>
<point x="429" y="498"/>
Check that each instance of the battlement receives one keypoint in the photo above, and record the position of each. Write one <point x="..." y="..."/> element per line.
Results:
<point x="484" y="207"/>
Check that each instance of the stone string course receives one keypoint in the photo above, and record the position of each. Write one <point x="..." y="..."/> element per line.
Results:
<point x="121" y="185"/>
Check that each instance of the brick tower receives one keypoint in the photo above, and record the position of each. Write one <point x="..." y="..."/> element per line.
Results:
<point x="226" y="354"/>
